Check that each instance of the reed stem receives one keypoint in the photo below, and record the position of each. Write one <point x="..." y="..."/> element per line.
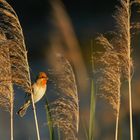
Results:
<point x="35" y="117"/>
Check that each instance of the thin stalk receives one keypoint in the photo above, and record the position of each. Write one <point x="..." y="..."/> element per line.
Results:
<point x="11" y="102"/>
<point x="129" y="74"/>
<point x="35" y="117"/>
<point x="12" y="123"/>
<point x="130" y="107"/>
<point x="92" y="106"/>
<point x="58" y="132"/>
<point x="33" y="104"/>
<point x="117" y="119"/>
<point x="11" y="115"/>
<point x="92" y="101"/>
<point x="49" y="121"/>
<point x="117" y="124"/>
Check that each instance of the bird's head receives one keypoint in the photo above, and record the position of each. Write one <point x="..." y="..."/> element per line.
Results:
<point x="43" y="78"/>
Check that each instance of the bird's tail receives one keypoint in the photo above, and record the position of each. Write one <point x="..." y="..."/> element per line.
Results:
<point x="23" y="109"/>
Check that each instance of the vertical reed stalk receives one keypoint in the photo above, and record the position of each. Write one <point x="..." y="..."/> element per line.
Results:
<point x="117" y="122"/>
<point x="49" y="121"/>
<point x="108" y="69"/>
<point x="64" y="110"/>
<point x="58" y="132"/>
<point x="130" y="109"/>
<point x="92" y="101"/>
<point x="16" y="67"/>
<point x="129" y="70"/>
<point x="11" y="120"/>
<point x="35" y="117"/>
<point x="32" y="98"/>
<point x="92" y="108"/>
<point x="11" y="115"/>
<point x="11" y="98"/>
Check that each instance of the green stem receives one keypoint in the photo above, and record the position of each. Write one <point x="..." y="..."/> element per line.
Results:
<point x="49" y="121"/>
<point x="92" y="101"/>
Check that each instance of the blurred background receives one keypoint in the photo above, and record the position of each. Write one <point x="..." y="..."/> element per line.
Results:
<point x="87" y="18"/>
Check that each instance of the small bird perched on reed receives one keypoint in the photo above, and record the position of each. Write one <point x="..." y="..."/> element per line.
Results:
<point x="39" y="89"/>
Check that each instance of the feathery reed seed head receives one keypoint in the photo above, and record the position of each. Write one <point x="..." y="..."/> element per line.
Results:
<point x="65" y="110"/>
<point x="12" y="31"/>
<point x="107" y="67"/>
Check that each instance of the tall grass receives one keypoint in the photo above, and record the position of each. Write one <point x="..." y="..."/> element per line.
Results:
<point x="108" y="73"/>
<point x="50" y="124"/>
<point x="123" y="28"/>
<point x="65" y="42"/>
<point x="6" y="85"/>
<point x="92" y="100"/>
<point x="92" y="112"/>
<point x="66" y="32"/>
<point x="49" y="120"/>
<point x="119" y="46"/>
<point x="14" y="63"/>
<point x="124" y="19"/>
<point x="64" y="109"/>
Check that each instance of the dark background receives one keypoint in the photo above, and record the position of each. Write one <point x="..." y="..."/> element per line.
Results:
<point x="89" y="17"/>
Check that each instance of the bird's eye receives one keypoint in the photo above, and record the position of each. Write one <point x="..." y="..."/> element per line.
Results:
<point x="43" y="77"/>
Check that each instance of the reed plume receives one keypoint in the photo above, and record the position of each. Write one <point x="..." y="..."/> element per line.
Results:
<point x="107" y="66"/>
<point x="121" y="43"/>
<point x="64" y="27"/>
<point x="5" y="76"/>
<point x="6" y="85"/>
<point x="64" y="109"/>
<point x="14" y="64"/>
<point x="15" y="41"/>
<point x="124" y="30"/>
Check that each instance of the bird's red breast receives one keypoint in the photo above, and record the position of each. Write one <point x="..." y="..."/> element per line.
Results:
<point x="44" y="82"/>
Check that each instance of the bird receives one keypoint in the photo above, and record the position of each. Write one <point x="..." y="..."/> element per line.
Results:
<point x="39" y="88"/>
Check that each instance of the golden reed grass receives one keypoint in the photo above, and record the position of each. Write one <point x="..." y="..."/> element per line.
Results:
<point x="64" y="28"/>
<point x="120" y="43"/>
<point x="122" y="16"/>
<point x="14" y="68"/>
<point x="124" y="28"/>
<point x="107" y="65"/>
<point x="108" y="70"/>
<point x="64" y="109"/>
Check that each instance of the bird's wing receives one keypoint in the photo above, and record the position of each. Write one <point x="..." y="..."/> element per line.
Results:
<point x="27" y="95"/>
